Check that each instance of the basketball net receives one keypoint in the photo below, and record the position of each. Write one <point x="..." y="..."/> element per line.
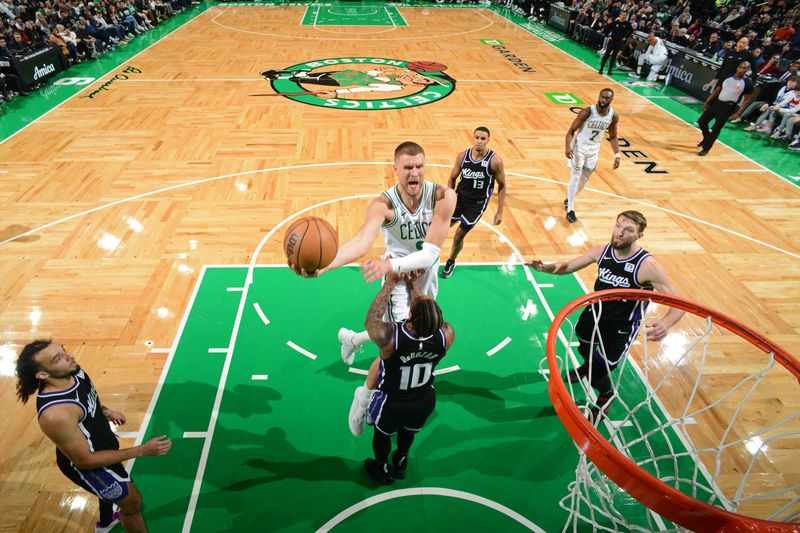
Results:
<point x="692" y="430"/>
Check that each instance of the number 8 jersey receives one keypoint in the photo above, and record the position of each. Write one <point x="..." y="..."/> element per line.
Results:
<point x="409" y="372"/>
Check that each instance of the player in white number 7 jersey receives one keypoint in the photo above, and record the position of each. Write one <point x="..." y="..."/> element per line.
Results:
<point x="583" y="145"/>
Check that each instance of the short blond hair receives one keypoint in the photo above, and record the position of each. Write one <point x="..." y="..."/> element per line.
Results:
<point x="636" y="217"/>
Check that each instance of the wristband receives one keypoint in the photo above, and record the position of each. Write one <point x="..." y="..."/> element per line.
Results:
<point x="617" y="155"/>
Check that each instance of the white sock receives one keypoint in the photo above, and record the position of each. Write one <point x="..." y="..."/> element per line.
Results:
<point x="572" y="188"/>
<point x="360" y="339"/>
<point x="366" y="394"/>
<point x="584" y="179"/>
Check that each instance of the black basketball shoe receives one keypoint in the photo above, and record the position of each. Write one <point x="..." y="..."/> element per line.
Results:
<point x="378" y="471"/>
<point x="399" y="464"/>
<point x="576" y="374"/>
<point x="449" y="266"/>
<point x="571" y="217"/>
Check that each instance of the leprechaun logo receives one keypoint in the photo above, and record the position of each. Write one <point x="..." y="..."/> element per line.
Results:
<point x="367" y="83"/>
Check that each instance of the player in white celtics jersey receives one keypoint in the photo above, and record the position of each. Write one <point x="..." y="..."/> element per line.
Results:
<point x="414" y="217"/>
<point x="583" y="142"/>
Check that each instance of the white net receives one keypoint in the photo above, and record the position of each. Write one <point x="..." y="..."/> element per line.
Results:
<point x="705" y="411"/>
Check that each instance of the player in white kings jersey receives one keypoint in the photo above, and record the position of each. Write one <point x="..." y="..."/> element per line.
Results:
<point x="583" y="143"/>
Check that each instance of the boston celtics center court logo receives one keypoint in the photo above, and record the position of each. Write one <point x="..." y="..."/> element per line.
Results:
<point x="368" y="83"/>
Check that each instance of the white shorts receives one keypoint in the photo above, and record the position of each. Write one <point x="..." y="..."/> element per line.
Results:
<point x="399" y="304"/>
<point x="583" y="160"/>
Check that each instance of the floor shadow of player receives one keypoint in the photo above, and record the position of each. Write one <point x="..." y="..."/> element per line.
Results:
<point x="269" y="467"/>
<point x="253" y="461"/>
<point x="504" y="451"/>
<point x="186" y="406"/>
<point x="338" y="371"/>
<point x="287" y="462"/>
<point x="487" y="395"/>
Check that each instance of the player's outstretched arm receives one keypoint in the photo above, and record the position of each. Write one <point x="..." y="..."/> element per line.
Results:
<point x="60" y="424"/>
<point x="653" y="273"/>
<point x="431" y="248"/>
<point x="377" y="212"/>
<point x="499" y="169"/>
<point x="380" y="332"/>
<point x="567" y="267"/>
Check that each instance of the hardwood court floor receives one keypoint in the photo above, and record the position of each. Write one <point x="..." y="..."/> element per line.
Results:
<point x="124" y="196"/>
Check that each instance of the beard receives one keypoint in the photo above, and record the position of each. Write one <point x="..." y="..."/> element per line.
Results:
<point x="620" y="245"/>
<point x="67" y="374"/>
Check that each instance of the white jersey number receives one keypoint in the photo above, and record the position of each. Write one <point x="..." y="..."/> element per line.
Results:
<point x="415" y="376"/>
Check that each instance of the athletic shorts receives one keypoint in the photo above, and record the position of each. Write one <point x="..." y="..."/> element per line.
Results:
<point x="468" y="212"/>
<point x="389" y="415"/>
<point x="109" y="483"/>
<point x="399" y="304"/>
<point x="612" y="339"/>
<point x="583" y="160"/>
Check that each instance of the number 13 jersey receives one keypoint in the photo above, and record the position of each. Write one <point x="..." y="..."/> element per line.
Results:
<point x="477" y="180"/>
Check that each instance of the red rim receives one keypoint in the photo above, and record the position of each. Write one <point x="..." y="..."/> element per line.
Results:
<point x="647" y="489"/>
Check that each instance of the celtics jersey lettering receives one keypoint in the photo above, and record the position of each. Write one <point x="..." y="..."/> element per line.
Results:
<point x="593" y="130"/>
<point x="405" y="232"/>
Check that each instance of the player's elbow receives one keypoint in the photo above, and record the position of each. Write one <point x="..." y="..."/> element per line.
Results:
<point x="83" y="461"/>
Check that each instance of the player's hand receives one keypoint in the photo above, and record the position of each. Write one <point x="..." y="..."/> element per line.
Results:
<point x="734" y="116"/>
<point x="302" y="271"/>
<point x="616" y="163"/>
<point x="568" y="153"/>
<point x="156" y="446"/>
<point x="116" y="417"/>
<point x="393" y="278"/>
<point x="375" y="269"/>
<point x="498" y="218"/>
<point x="538" y="265"/>
<point x="656" y="331"/>
<point x="411" y="277"/>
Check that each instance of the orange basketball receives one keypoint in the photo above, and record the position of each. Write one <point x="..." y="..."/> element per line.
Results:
<point x="310" y="243"/>
<point x="426" y="66"/>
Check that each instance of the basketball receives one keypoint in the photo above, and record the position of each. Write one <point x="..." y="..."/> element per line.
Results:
<point x="310" y="243"/>
<point x="426" y="66"/>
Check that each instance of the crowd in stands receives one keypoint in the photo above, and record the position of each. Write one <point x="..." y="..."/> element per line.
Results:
<point x="764" y="33"/>
<point x="81" y="29"/>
